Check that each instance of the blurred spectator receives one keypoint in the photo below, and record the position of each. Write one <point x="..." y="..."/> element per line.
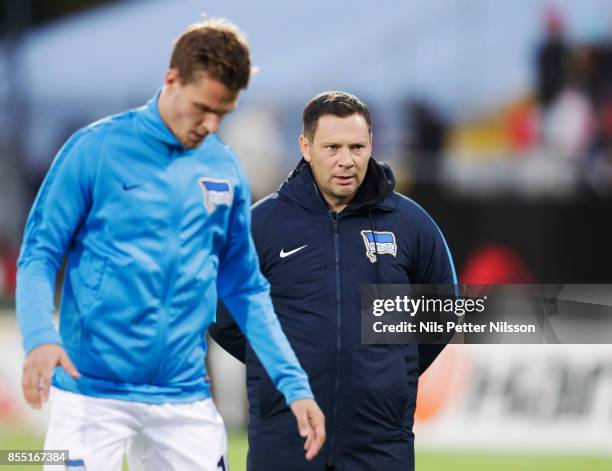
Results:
<point x="426" y="142"/>
<point x="598" y="75"/>
<point x="568" y="123"/>
<point x="553" y="60"/>
<point x="566" y="118"/>
<point x="574" y="85"/>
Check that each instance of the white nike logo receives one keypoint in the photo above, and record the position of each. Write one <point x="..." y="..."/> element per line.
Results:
<point x="284" y="254"/>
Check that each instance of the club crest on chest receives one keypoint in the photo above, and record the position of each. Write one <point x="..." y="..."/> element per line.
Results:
<point x="379" y="243"/>
<point x="216" y="192"/>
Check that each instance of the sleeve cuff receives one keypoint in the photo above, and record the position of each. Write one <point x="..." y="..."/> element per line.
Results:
<point x="47" y="336"/>
<point x="298" y="390"/>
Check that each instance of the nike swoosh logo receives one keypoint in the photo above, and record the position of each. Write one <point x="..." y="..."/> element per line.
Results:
<point x="284" y="254"/>
<point x="127" y="187"/>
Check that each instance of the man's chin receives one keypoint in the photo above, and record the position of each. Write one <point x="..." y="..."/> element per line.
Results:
<point x="345" y="193"/>
<point x="192" y="143"/>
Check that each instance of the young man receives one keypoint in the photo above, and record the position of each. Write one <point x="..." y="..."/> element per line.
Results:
<point x="152" y="212"/>
<point x="333" y="226"/>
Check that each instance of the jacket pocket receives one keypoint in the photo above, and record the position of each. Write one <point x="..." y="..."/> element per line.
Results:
<point x="90" y="277"/>
<point x="381" y="386"/>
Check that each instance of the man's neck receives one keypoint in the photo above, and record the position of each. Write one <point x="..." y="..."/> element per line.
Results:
<point x="162" y="106"/>
<point x="334" y="205"/>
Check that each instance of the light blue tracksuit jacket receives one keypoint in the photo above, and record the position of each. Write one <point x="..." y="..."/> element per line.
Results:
<point x="153" y="234"/>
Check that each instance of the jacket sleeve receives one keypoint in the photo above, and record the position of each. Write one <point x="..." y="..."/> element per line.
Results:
<point x="246" y="295"/>
<point x="58" y="210"/>
<point x="224" y="330"/>
<point x="434" y="265"/>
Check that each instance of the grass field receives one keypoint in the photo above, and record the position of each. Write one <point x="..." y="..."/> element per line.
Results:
<point x="424" y="461"/>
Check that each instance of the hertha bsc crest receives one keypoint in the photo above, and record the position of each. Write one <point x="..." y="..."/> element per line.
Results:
<point x="216" y="192"/>
<point x="379" y="243"/>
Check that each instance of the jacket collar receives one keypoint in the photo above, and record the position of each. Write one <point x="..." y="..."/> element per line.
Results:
<point x="153" y="124"/>
<point x="374" y="192"/>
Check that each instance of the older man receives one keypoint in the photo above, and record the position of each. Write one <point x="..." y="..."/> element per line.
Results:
<point x="334" y="225"/>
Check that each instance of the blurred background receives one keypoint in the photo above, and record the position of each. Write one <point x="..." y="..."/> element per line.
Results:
<point x="495" y="116"/>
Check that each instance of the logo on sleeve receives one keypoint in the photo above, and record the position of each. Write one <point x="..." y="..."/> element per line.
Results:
<point x="379" y="243"/>
<point x="216" y="192"/>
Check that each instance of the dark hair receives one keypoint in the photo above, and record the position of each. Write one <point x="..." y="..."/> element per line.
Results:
<point x="340" y="104"/>
<point x="216" y="47"/>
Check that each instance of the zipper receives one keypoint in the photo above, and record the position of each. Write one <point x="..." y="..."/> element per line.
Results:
<point x="332" y="439"/>
<point x="171" y="265"/>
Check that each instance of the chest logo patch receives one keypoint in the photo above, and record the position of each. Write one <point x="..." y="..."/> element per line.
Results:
<point x="379" y="243"/>
<point x="284" y="254"/>
<point x="216" y="192"/>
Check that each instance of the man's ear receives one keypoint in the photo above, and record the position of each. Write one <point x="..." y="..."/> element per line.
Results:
<point x="304" y="147"/>
<point x="172" y="78"/>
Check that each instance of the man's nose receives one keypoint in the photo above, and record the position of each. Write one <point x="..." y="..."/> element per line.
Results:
<point x="346" y="159"/>
<point x="211" y="122"/>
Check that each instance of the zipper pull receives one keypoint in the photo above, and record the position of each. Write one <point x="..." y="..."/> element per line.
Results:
<point x="334" y="218"/>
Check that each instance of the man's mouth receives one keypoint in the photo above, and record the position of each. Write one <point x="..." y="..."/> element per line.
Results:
<point x="344" y="180"/>
<point x="197" y="136"/>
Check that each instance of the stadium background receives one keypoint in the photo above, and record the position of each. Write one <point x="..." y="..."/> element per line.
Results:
<point x="502" y="133"/>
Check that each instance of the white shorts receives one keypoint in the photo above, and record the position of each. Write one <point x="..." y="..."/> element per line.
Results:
<point x="99" y="432"/>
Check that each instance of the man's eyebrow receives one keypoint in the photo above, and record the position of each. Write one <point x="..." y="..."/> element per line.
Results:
<point x="337" y="143"/>
<point x="208" y="109"/>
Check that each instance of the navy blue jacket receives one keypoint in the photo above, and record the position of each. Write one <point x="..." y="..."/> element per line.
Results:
<point x="367" y="392"/>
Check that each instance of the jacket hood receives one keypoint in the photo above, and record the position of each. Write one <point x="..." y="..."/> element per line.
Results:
<point x="374" y="192"/>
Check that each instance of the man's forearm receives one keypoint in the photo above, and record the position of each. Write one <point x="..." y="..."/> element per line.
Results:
<point x="34" y="304"/>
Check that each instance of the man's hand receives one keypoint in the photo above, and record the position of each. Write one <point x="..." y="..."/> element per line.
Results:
<point x="311" y="424"/>
<point x="37" y="371"/>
